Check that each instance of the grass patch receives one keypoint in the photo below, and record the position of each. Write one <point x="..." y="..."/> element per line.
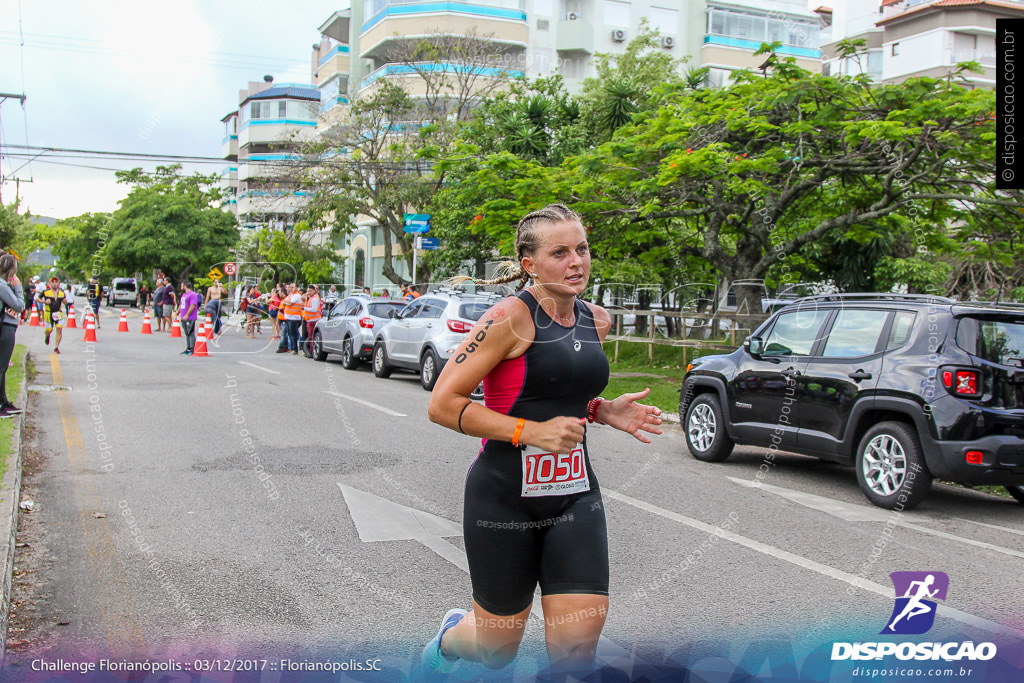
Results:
<point x="668" y="366"/>
<point x="15" y="378"/>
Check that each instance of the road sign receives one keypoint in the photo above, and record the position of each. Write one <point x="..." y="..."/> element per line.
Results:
<point x="215" y="273"/>
<point x="230" y="268"/>
<point x="417" y="222"/>
<point x="430" y="243"/>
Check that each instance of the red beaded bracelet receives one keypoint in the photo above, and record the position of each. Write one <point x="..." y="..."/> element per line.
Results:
<point x="592" y="410"/>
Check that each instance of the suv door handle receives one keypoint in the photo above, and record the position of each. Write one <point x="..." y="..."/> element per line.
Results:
<point x="790" y="372"/>
<point x="858" y="375"/>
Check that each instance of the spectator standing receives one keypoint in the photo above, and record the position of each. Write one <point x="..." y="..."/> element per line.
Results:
<point x="367" y="292"/>
<point x="311" y="312"/>
<point x="170" y="302"/>
<point x="95" y="294"/>
<point x="143" y="295"/>
<point x="293" y="319"/>
<point x="252" y="311"/>
<point x="158" y="304"/>
<point x="188" y="313"/>
<point x="28" y="295"/>
<point x="13" y="303"/>
<point x="273" y="310"/>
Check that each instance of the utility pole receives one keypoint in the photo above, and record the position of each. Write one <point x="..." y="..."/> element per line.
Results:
<point x="4" y="96"/>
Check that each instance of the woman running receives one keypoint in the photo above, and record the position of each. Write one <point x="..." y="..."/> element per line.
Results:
<point x="533" y="511"/>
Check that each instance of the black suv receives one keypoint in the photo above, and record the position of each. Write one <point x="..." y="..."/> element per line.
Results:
<point x="903" y="387"/>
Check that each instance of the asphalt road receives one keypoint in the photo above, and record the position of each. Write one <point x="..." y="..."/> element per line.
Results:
<point x="254" y="504"/>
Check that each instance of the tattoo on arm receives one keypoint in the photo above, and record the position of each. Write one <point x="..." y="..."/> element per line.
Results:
<point x="475" y="344"/>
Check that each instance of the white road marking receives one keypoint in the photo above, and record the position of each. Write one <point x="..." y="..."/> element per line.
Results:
<point x="259" y="367"/>
<point x="862" y="513"/>
<point x="366" y="403"/>
<point x="803" y="562"/>
<point x="992" y="526"/>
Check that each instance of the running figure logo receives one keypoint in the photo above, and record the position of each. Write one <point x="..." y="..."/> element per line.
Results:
<point x="914" y="613"/>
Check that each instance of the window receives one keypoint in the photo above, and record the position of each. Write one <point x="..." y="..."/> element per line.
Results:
<point x="282" y="109"/>
<point x="617" y="13"/>
<point x="664" y="20"/>
<point x="359" y="266"/>
<point x="855" y="333"/>
<point x="433" y="309"/>
<point x="895" y="49"/>
<point x="413" y="310"/>
<point x="902" y="325"/>
<point x="998" y="341"/>
<point x="794" y="334"/>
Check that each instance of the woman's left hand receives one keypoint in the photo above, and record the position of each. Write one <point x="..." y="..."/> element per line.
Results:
<point x="631" y="417"/>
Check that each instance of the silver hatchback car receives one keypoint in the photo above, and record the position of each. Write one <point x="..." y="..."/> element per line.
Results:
<point x="351" y="326"/>
<point x="424" y="334"/>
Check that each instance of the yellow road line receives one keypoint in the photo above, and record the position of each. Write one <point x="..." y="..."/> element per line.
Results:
<point x="124" y="635"/>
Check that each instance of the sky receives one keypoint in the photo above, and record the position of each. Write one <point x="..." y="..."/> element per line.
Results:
<point x="135" y="76"/>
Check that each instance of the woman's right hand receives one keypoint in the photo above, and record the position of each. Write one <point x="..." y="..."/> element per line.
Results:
<point x="15" y="280"/>
<point x="557" y="435"/>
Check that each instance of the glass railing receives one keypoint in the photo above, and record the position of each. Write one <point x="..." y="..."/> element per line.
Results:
<point x="371" y="7"/>
<point x="424" y="67"/>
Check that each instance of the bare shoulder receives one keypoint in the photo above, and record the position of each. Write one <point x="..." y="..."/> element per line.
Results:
<point x="511" y="318"/>
<point x="602" y="319"/>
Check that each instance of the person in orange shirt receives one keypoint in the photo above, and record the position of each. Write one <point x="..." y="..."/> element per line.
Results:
<point x="311" y="312"/>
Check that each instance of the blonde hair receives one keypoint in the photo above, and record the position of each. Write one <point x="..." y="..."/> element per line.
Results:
<point x="527" y="243"/>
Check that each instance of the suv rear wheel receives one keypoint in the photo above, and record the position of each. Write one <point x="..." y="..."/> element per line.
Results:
<point x="705" y="430"/>
<point x="890" y="466"/>
<point x="428" y="370"/>
<point x="380" y="361"/>
<point x="348" y="355"/>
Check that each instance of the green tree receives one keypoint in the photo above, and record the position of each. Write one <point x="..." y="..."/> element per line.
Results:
<point x="170" y="222"/>
<point x="78" y="244"/>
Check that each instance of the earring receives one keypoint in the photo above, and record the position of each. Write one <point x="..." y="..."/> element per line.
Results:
<point x="533" y="274"/>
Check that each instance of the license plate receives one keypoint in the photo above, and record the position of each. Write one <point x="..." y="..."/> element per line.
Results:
<point x="554" y="474"/>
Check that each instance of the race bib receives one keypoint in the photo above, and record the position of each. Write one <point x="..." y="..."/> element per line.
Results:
<point x="554" y="474"/>
<point x="55" y="316"/>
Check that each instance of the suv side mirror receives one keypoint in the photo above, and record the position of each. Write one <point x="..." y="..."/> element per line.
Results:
<point x="755" y="346"/>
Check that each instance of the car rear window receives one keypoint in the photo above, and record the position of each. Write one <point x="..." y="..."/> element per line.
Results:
<point x="124" y="285"/>
<point x="473" y="311"/>
<point x="997" y="340"/>
<point x="380" y="310"/>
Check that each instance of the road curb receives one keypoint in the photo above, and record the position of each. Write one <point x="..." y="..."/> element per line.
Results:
<point x="10" y="496"/>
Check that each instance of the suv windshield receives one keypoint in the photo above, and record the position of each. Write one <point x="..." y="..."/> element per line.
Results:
<point x="380" y="310"/>
<point x="997" y="340"/>
<point x="473" y="311"/>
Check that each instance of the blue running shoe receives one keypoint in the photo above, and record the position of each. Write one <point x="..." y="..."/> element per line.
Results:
<point x="433" y="661"/>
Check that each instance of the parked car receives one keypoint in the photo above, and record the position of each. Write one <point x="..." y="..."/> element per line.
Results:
<point x="905" y="388"/>
<point x="424" y="334"/>
<point x="123" y="290"/>
<point x="350" y="328"/>
<point x="79" y="290"/>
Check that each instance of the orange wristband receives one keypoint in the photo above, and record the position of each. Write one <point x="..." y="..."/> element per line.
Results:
<point x="519" y="430"/>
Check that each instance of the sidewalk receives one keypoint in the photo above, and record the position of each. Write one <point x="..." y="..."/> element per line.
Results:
<point x="10" y="495"/>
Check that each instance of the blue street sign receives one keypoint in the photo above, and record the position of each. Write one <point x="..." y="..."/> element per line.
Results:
<point x="430" y="243"/>
<point x="417" y="222"/>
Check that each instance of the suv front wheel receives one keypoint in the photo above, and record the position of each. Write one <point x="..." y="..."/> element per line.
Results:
<point x="428" y="370"/>
<point x="705" y="430"/>
<point x="890" y="467"/>
<point x="380" y="361"/>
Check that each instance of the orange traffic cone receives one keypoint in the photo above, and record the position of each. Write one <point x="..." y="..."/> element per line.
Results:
<point x="209" y="327"/>
<point x="146" y="328"/>
<point x="72" y="323"/>
<point x="200" y="348"/>
<point x="122" y="324"/>
<point x="175" y="327"/>
<point x="34" y="320"/>
<point x="90" y="327"/>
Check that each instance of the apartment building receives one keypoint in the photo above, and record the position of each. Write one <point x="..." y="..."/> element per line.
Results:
<point x="908" y="38"/>
<point x="260" y="138"/>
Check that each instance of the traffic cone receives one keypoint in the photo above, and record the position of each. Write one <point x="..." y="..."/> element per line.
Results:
<point x="175" y="327"/>
<point x="200" y="348"/>
<point x="209" y="327"/>
<point x="122" y="325"/>
<point x="146" y="328"/>
<point x="34" y="320"/>
<point x="90" y="327"/>
<point x="72" y="323"/>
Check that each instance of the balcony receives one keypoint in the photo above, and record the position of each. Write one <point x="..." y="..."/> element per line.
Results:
<point x="575" y="36"/>
<point x="414" y="71"/>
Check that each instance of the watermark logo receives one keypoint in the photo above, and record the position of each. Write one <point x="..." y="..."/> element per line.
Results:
<point x="916" y="592"/>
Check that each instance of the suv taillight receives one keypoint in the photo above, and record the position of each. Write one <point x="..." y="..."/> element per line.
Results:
<point x="459" y="326"/>
<point x="366" y="322"/>
<point x="961" y="382"/>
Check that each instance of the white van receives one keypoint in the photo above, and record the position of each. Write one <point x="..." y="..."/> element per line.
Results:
<point x="123" y="290"/>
